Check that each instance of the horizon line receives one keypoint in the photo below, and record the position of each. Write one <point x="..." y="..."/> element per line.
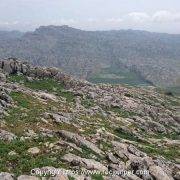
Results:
<point x="83" y="29"/>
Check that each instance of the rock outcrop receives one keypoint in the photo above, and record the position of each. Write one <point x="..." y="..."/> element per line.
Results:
<point x="62" y="128"/>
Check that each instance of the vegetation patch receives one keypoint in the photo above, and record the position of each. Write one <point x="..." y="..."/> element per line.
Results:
<point x="126" y="135"/>
<point x="22" y="162"/>
<point x="97" y="177"/>
<point x="117" y="75"/>
<point x="88" y="153"/>
<point x="28" y="112"/>
<point x="170" y="153"/>
<point x="44" y="84"/>
<point x="173" y="136"/>
<point x="121" y="112"/>
<point x="87" y="103"/>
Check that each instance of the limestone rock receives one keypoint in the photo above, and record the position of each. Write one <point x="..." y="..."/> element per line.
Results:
<point x="112" y="158"/>
<point x="2" y="77"/>
<point x="12" y="153"/>
<point x="60" y="118"/>
<point x="90" y="164"/>
<point x="47" y="96"/>
<point x="6" y="176"/>
<point x="158" y="173"/>
<point x="6" y="136"/>
<point x="34" y="150"/>
<point x="80" y="140"/>
<point x="135" y="151"/>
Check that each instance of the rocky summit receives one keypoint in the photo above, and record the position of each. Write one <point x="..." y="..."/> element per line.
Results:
<point x="56" y="127"/>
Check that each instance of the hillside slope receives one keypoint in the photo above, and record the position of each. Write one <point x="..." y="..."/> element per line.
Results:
<point x="52" y="122"/>
<point x="154" y="57"/>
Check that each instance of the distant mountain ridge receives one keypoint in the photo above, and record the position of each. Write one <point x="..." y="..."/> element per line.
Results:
<point x="153" y="56"/>
<point x="9" y="35"/>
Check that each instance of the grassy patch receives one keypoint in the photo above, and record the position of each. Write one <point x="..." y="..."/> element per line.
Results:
<point x="173" y="90"/>
<point x="66" y="126"/>
<point x="117" y="75"/>
<point x="22" y="100"/>
<point x="170" y="153"/>
<point x="71" y="178"/>
<point x="121" y="112"/>
<point x="126" y="135"/>
<point x="23" y="162"/>
<point x="45" y="84"/>
<point x="97" y="177"/>
<point x="106" y="146"/>
<point x="27" y="113"/>
<point x="87" y="103"/>
<point x="28" y="109"/>
<point x="173" y="136"/>
<point x="87" y="153"/>
<point x="41" y="84"/>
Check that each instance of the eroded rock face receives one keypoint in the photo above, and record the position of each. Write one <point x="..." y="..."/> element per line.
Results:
<point x="14" y="66"/>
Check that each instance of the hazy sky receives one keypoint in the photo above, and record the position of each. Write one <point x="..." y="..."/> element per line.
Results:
<point x="152" y="15"/>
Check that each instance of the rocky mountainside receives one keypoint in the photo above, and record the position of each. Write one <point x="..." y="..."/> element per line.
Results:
<point x="10" y="35"/>
<point x="52" y="124"/>
<point x="154" y="57"/>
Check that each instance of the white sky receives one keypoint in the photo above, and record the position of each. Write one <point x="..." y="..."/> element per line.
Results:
<point x="152" y="15"/>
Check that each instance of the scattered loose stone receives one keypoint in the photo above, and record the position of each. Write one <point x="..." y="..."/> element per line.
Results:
<point x="34" y="150"/>
<point x="12" y="153"/>
<point x="6" y="136"/>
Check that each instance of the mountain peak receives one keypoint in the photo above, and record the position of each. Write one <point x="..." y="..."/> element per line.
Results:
<point x="54" y="28"/>
<point x="151" y="57"/>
